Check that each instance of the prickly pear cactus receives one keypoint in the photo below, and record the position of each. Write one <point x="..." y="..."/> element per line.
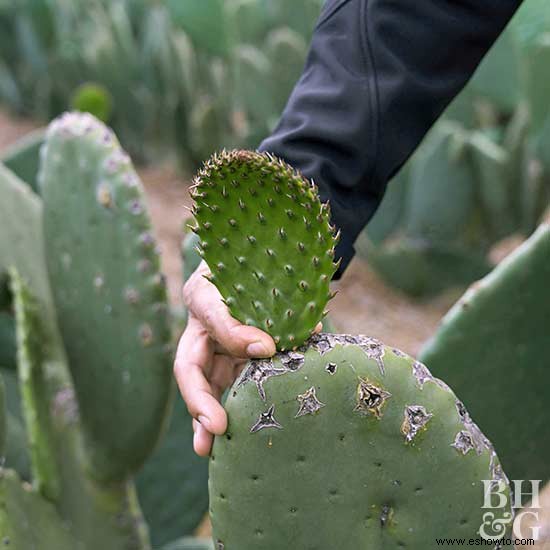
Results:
<point x="268" y="241"/>
<point x="109" y="293"/>
<point x="339" y="442"/>
<point x="500" y="327"/>
<point x="346" y="443"/>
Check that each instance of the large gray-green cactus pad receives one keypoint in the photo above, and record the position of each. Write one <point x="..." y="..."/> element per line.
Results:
<point x="346" y="443"/>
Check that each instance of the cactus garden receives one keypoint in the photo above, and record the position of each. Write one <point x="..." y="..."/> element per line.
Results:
<point x="403" y="402"/>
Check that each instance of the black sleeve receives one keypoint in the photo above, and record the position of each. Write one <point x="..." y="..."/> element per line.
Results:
<point x="377" y="76"/>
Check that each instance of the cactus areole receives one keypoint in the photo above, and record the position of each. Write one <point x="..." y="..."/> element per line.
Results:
<point x="338" y="441"/>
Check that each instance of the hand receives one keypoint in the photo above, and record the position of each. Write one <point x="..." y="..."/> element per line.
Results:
<point x="211" y="353"/>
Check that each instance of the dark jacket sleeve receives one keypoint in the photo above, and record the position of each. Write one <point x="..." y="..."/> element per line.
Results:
<point x="377" y="76"/>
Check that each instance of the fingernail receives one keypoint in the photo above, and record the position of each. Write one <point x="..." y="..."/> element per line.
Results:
<point x="204" y="420"/>
<point x="257" y="349"/>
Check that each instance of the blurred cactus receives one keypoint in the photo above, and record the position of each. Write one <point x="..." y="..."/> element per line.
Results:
<point x="22" y="158"/>
<point x="497" y="332"/>
<point x="87" y="433"/>
<point x="481" y="174"/>
<point x="94" y="99"/>
<point x="180" y="76"/>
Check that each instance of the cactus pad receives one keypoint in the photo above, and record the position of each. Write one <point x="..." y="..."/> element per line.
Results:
<point x="109" y="293"/>
<point x="346" y="443"/>
<point x="3" y="421"/>
<point x="268" y="242"/>
<point x="497" y="335"/>
<point x="28" y="521"/>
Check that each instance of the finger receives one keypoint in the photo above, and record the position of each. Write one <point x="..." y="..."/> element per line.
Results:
<point x="202" y="441"/>
<point x="223" y="372"/>
<point x="194" y="355"/>
<point x="205" y="303"/>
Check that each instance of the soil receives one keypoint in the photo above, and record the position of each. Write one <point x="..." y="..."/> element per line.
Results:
<point x="363" y="305"/>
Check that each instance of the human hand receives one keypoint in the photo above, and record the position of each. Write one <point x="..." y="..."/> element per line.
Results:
<point x="211" y="353"/>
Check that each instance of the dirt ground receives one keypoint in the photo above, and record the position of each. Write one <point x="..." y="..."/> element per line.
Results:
<point x="363" y="305"/>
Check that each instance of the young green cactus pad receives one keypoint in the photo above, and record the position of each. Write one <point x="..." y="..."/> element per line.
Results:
<point x="109" y="293"/>
<point x="492" y="347"/>
<point x="268" y="241"/>
<point x="346" y="443"/>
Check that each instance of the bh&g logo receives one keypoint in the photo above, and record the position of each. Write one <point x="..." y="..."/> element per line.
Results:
<point x="494" y="526"/>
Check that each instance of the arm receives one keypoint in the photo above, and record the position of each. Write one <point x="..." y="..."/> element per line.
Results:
<point x="378" y="74"/>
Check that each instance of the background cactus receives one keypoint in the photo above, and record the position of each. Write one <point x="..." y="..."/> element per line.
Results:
<point x="490" y="347"/>
<point x="23" y="158"/>
<point x="110" y="270"/>
<point x="66" y="450"/>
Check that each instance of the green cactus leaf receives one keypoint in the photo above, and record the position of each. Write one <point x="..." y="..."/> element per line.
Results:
<point x="441" y="196"/>
<point x="189" y="543"/>
<point x="346" y="443"/>
<point x="29" y="522"/>
<point x="7" y="340"/>
<point x="107" y="515"/>
<point x="109" y="293"/>
<point x="204" y="22"/>
<point x="420" y="269"/>
<point x="3" y="421"/>
<point x="190" y="255"/>
<point x="94" y="99"/>
<point x="287" y="51"/>
<point x="17" y="451"/>
<point x="35" y="397"/>
<point x="23" y="158"/>
<point x="268" y="241"/>
<point x="173" y="485"/>
<point x="21" y="235"/>
<point x="492" y="347"/>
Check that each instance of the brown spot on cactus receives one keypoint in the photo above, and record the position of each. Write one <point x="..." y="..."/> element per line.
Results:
<point x="463" y="442"/>
<point x="309" y="404"/>
<point x="266" y="420"/>
<point x="104" y="195"/>
<point x="370" y="398"/>
<point x="331" y="368"/>
<point x="146" y="334"/>
<point x="415" y="418"/>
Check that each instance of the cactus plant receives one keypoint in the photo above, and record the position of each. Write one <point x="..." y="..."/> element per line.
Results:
<point x="174" y="480"/>
<point x="22" y="158"/>
<point x="97" y="504"/>
<point x="338" y="439"/>
<point x="252" y="241"/>
<point x="287" y="51"/>
<point x="20" y="508"/>
<point x="94" y="99"/>
<point x="7" y="340"/>
<point x="3" y="421"/>
<point x="366" y="439"/>
<point x="189" y="543"/>
<point x="491" y="345"/>
<point x="110" y="270"/>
